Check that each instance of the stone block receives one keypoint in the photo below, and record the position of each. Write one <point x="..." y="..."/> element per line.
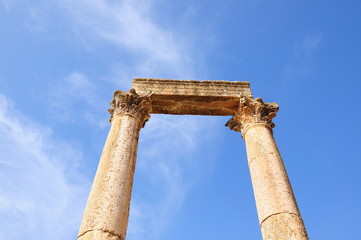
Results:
<point x="182" y="97"/>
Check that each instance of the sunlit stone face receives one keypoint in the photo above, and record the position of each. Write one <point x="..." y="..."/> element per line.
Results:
<point x="192" y="97"/>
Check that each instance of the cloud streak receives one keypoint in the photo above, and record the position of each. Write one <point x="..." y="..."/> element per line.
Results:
<point x="303" y="52"/>
<point x="76" y="98"/>
<point x="129" y="26"/>
<point x="39" y="193"/>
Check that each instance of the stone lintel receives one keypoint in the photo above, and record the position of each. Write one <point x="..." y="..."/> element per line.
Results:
<point x="192" y="97"/>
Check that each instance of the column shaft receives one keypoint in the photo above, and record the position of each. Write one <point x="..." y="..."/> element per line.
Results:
<point x="107" y="209"/>
<point x="278" y="213"/>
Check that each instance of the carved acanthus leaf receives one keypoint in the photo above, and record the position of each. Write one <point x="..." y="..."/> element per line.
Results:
<point x="131" y="103"/>
<point x="251" y="111"/>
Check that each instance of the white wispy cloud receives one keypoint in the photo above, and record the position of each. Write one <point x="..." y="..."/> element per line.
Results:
<point x="5" y="4"/>
<point x="76" y="98"/>
<point x="306" y="48"/>
<point x="129" y="26"/>
<point x="36" y="20"/>
<point x="303" y="53"/>
<point x="40" y="197"/>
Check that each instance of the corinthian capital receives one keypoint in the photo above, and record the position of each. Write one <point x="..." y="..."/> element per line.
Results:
<point x="252" y="111"/>
<point x="130" y="103"/>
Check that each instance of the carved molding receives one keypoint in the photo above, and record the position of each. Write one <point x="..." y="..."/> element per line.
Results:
<point x="130" y="103"/>
<point x="252" y="111"/>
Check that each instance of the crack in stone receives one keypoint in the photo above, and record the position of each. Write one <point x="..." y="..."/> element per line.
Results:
<point x="101" y="230"/>
<point x="274" y="214"/>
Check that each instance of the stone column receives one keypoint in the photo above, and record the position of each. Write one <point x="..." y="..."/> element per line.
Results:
<point x="278" y="213"/>
<point x="107" y="210"/>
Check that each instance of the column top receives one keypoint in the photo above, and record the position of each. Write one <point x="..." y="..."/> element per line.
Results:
<point x="192" y="97"/>
<point x="130" y="103"/>
<point x="252" y="111"/>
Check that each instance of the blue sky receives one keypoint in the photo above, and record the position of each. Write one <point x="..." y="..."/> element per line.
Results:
<point x="61" y="60"/>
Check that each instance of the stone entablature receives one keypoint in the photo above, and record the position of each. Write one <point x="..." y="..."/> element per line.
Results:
<point x="192" y="97"/>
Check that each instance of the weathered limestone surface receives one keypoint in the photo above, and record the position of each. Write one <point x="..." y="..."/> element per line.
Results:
<point x="107" y="210"/>
<point x="284" y="226"/>
<point x="192" y="97"/>
<point x="278" y="213"/>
